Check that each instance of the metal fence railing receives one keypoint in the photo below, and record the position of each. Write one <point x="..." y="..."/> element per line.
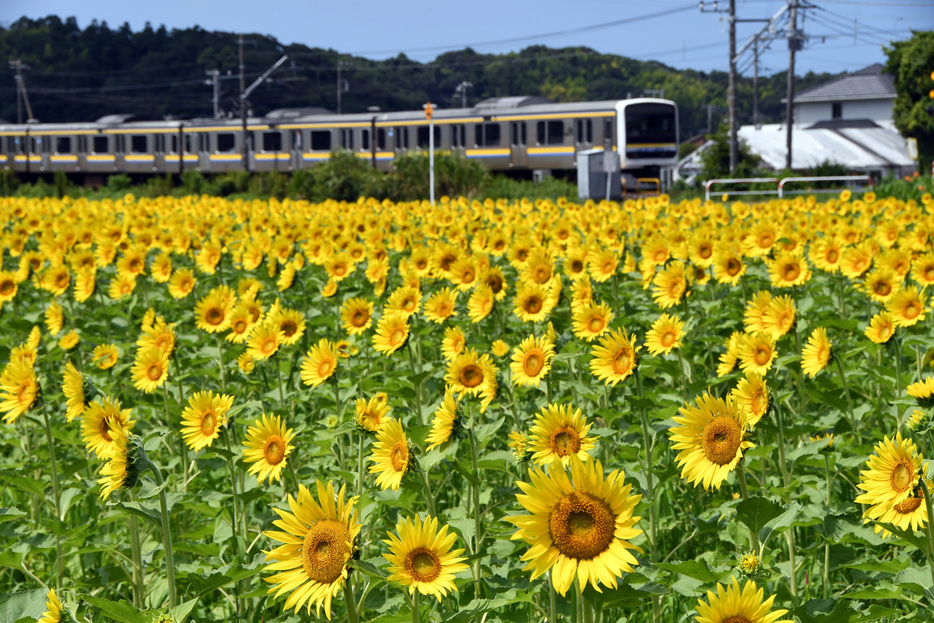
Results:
<point x="780" y="184"/>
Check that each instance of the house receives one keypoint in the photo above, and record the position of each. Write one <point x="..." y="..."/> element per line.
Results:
<point x="864" y="94"/>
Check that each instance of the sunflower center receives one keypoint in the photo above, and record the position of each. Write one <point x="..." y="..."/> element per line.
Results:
<point x="622" y="361"/>
<point x="908" y="506"/>
<point x="581" y="525"/>
<point x="667" y="339"/>
<point x="208" y="424"/>
<point x="154" y="371"/>
<point x="882" y="288"/>
<point x="911" y="309"/>
<point x="565" y="441"/>
<point x="324" y="551"/>
<point x="577" y="266"/>
<point x="705" y="251"/>
<point x="399" y="456"/>
<point x="240" y="326"/>
<point x="736" y="618"/>
<point x="6" y="287"/>
<point x="533" y="363"/>
<point x="495" y="282"/>
<point x="790" y="272"/>
<point x="541" y="274"/>
<point x="214" y="316"/>
<point x="269" y="345"/>
<point x="359" y="318"/>
<point x="325" y="367"/>
<point x="468" y="276"/>
<point x="274" y="450"/>
<point x="762" y="355"/>
<point x="758" y="402"/>
<point x="832" y="256"/>
<point x="722" y="438"/>
<point x="533" y="304"/>
<point x="596" y="324"/>
<point x="408" y="305"/>
<point x="289" y="328"/>
<point x="902" y="476"/>
<point x="471" y="375"/>
<point x="423" y="565"/>
<point x="105" y="429"/>
<point x="732" y="267"/>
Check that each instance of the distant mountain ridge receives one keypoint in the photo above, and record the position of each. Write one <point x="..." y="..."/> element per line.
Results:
<point x="80" y="75"/>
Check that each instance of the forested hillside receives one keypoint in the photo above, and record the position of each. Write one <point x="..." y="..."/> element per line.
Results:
<point x="80" y="75"/>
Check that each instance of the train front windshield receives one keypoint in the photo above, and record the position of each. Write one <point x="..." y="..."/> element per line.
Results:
<point x="651" y="131"/>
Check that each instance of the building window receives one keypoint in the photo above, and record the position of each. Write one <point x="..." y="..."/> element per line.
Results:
<point x="321" y="140"/>
<point x="836" y="110"/>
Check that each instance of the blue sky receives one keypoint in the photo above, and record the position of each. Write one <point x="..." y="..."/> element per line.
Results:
<point x="846" y="35"/>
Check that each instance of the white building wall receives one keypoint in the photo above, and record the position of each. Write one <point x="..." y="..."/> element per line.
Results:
<point x="877" y="110"/>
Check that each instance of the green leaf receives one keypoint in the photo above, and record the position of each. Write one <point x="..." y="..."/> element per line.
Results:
<point x="122" y="611"/>
<point x="141" y="510"/>
<point x="696" y="569"/>
<point x="757" y="511"/>
<point x="22" y="605"/>
<point x="917" y="580"/>
<point x="68" y="495"/>
<point x="10" y="514"/>
<point x="181" y="611"/>
<point x="780" y="523"/>
<point x="202" y="584"/>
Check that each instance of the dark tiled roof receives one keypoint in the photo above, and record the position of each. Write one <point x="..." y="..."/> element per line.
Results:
<point x="867" y="83"/>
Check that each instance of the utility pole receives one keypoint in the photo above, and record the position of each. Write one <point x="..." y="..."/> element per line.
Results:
<point x="21" y="94"/>
<point x="734" y="146"/>
<point x="243" y="105"/>
<point x="340" y="83"/>
<point x="215" y="80"/>
<point x="755" y="84"/>
<point x="462" y="89"/>
<point x="794" y="43"/>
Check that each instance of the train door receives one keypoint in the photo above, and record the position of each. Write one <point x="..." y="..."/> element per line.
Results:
<point x="519" y="144"/>
<point x="42" y="147"/>
<point x="296" y="139"/>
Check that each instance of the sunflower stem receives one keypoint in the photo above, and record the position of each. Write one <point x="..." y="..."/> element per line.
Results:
<point x="360" y="466"/>
<point x="476" y="503"/>
<point x="744" y="489"/>
<point x="826" y="576"/>
<point x="234" y="523"/>
<point x="416" y="384"/>
<point x="930" y="526"/>
<point x="846" y="390"/>
<point x="220" y="362"/>
<point x="137" y="560"/>
<point x="59" y="557"/>
<point x="166" y="535"/>
<point x="416" y="614"/>
<point x="552" y="606"/>
<point x="350" y="601"/>
<point x="898" y="381"/>
<point x="789" y="534"/>
<point x="650" y="487"/>
<point x="684" y="387"/>
<point x="279" y="379"/>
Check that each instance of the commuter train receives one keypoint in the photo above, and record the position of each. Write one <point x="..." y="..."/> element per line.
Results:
<point x="519" y="134"/>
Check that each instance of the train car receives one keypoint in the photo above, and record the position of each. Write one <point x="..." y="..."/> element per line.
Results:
<point x="517" y="134"/>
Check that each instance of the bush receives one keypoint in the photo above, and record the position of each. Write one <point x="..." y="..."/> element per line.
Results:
<point x="119" y="183"/>
<point x="455" y="175"/>
<point x="344" y="177"/>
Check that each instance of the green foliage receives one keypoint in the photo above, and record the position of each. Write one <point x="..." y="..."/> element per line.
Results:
<point x="345" y="177"/>
<point x="454" y="175"/>
<point x="716" y="158"/>
<point x="119" y="182"/>
<point x="911" y="63"/>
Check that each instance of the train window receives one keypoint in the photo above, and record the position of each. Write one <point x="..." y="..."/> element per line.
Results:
<point x="347" y="138"/>
<point x="99" y="145"/>
<point x="459" y="135"/>
<point x="272" y="141"/>
<point x="173" y="144"/>
<point x="160" y="144"/>
<point x="203" y="142"/>
<point x="402" y="138"/>
<point x="487" y="135"/>
<point x="423" y="136"/>
<point x="585" y="131"/>
<point x="321" y="140"/>
<point x="381" y="138"/>
<point x="364" y="140"/>
<point x="297" y="140"/>
<point x="63" y="145"/>
<point x="41" y="145"/>
<point x="82" y="144"/>
<point x="226" y="142"/>
<point x="139" y="144"/>
<point x="19" y="144"/>
<point x="550" y="132"/>
<point x="121" y="144"/>
<point x="608" y="131"/>
<point x="519" y="133"/>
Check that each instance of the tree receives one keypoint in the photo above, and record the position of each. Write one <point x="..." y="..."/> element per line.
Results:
<point x="716" y="158"/>
<point x="911" y="64"/>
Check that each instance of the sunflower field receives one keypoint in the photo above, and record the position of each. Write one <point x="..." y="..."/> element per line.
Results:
<point x="275" y="410"/>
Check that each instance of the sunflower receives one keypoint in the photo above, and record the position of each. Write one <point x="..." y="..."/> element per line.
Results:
<point x="182" y="283"/>
<point x="121" y="471"/>
<point x="99" y="418"/>
<point x="19" y="389"/>
<point x="602" y="264"/>
<point x="480" y="304"/>
<point x="372" y="413"/>
<point x="590" y="321"/>
<point x="580" y="526"/>
<point x="788" y="269"/>
<point x="669" y="285"/>
<point x="710" y="437"/>
<point x="8" y="286"/>
<point x="756" y="353"/>
<point x="496" y="280"/>
<point x="816" y="355"/>
<point x="291" y="324"/>
<point x="499" y="348"/>
<point x="421" y="557"/>
<point x="73" y="388"/>
<point x="907" y="307"/>
<point x="531" y="360"/>
<point x="405" y="300"/>
<point x="881" y="284"/>
<point x="922" y="269"/>
<point x="615" y="357"/>
<point x="53" y="609"/>
<point x="779" y="316"/>
<point x="728" y="265"/>
<point x="85" y="284"/>
<point x="440" y="305"/>
<point x="752" y="394"/>
<point x="390" y="456"/>
<point x="264" y="341"/>
<point x="320" y="363"/>
<point x="665" y="334"/>
<point x="203" y="418"/>
<point x="452" y="344"/>
<point x="469" y="373"/>
<point x="241" y="324"/>
<point x="756" y="308"/>
<point x="892" y="473"/>
<point x="881" y="327"/>
<point x="531" y="303"/>
<point x="856" y="261"/>
<point x="268" y="445"/>
<point x="558" y="434"/>
<point x="317" y="539"/>
<point x="158" y="334"/>
<point x="445" y="422"/>
<point x="69" y="340"/>
<point x="25" y="353"/>
<point x="150" y="369"/>
<point x="392" y="332"/>
<point x="732" y="605"/>
<point x="922" y="391"/>
<point x="122" y="285"/>
<point x="212" y="312"/>
<point x="356" y="315"/>
<point x="245" y="363"/>
<point x="104" y="356"/>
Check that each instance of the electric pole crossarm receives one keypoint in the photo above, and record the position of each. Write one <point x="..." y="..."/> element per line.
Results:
<point x="765" y="29"/>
